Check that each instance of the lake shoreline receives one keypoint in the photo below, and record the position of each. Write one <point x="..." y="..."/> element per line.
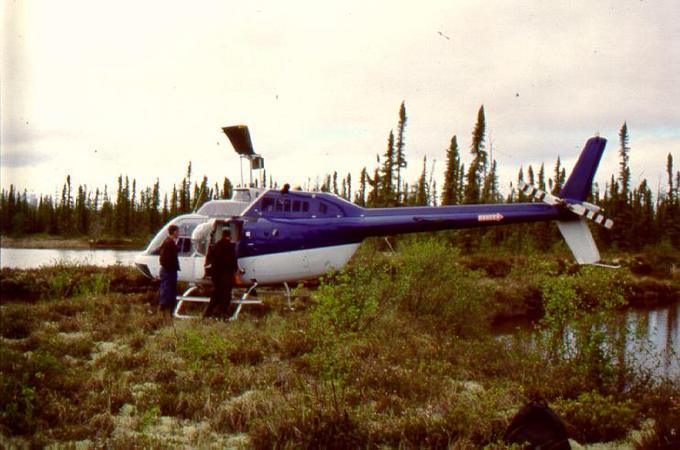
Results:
<point x="82" y="243"/>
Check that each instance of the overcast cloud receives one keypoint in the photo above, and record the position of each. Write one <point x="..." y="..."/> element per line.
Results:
<point x="95" y="89"/>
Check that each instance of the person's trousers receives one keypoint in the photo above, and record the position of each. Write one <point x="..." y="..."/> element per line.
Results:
<point x="220" y="298"/>
<point x="168" y="295"/>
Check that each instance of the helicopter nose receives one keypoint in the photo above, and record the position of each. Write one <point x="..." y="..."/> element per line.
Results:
<point x="140" y="262"/>
<point x="144" y="269"/>
<point x="139" y="258"/>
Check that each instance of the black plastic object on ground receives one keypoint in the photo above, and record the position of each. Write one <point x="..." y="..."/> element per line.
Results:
<point x="539" y="426"/>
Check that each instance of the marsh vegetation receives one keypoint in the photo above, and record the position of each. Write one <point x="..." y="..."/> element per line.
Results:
<point x="396" y="351"/>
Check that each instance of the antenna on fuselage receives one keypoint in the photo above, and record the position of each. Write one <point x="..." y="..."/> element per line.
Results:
<point x="239" y="136"/>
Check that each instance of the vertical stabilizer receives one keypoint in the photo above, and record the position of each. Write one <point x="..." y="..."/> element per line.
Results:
<point x="580" y="180"/>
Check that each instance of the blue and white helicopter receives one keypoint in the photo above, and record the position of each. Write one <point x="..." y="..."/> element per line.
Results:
<point x="285" y="236"/>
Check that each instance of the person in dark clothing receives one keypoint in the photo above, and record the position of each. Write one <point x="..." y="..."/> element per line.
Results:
<point x="539" y="426"/>
<point x="222" y="260"/>
<point x="169" y="267"/>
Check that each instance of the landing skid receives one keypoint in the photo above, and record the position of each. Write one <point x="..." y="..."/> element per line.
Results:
<point x="245" y="299"/>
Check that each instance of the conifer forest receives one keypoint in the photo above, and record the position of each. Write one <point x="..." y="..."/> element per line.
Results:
<point x="643" y="215"/>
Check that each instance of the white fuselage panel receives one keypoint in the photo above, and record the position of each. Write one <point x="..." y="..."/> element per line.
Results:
<point x="266" y="269"/>
<point x="296" y="265"/>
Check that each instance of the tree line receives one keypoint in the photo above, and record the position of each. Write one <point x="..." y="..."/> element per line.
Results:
<point x="641" y="218"/>
<point x="129" y="212"/>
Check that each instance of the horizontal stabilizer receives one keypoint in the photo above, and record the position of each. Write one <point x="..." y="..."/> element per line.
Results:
<point x="580" y="241"/>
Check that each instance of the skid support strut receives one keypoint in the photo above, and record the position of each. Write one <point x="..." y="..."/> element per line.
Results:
<point x="245" y="299"/>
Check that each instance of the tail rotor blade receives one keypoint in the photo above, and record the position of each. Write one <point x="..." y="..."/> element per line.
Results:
<point x="586" y="210"/>
<point x="538" y="194"/>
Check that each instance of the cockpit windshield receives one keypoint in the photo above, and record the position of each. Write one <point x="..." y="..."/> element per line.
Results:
<point x="186" y="227"/>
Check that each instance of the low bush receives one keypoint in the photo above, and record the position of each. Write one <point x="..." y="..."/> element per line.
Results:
<point x="593" y="417"/>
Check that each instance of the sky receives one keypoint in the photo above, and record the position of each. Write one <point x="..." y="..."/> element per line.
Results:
<point x="96" y="89"/>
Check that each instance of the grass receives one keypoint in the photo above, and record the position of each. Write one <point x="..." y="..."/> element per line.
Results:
<point x="396" y="352"/>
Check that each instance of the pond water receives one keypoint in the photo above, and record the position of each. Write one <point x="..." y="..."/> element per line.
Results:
<point x="30" y="258"/>
<point x="652" y="337"/>
<point x="658" y="327"/>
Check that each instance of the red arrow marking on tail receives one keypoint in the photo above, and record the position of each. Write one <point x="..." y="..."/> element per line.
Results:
<point x="490" y="217"/>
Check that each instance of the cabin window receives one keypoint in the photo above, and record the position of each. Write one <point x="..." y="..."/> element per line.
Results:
<point x="268" y="205"/>
<point x="305" y="206"/>
<point x="323" y="209"/>
<point x="286" y="205"/>
<point x="296" y="205"/>
<point x="279" y="205"/>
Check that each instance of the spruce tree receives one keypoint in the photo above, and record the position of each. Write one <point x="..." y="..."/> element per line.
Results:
<point x="227" y="188"/>
<point x="421" y="197"/>
<point x="624" y="154"/>
<point x="541" y="177"/>
<point x="386" y="197"/>
<point x="559" y="177"/>
<point x="450" y="193"/>
<point x="400" y="159"/>
<point x="473" y="182"/>
<point x="520" y="179"/>
<point x="361" y="194"/>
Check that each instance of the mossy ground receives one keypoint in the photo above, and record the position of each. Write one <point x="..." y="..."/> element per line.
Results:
<point x="395" y="352"/>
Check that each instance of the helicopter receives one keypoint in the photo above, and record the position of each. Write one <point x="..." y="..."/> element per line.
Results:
<point x="286" y="236"/>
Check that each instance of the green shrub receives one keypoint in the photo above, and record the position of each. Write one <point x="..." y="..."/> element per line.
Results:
<point x="580" y="314"/>
<point x="347" y="302"/>
<point x="592" y="417"/>
<point x="202" y="347"/>
<point x="429" y="284"/>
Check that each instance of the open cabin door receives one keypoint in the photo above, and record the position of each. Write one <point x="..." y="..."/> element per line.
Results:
<point x="207" y="234"/>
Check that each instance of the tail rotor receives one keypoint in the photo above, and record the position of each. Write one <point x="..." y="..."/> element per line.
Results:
<point x="582" y="209"/>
